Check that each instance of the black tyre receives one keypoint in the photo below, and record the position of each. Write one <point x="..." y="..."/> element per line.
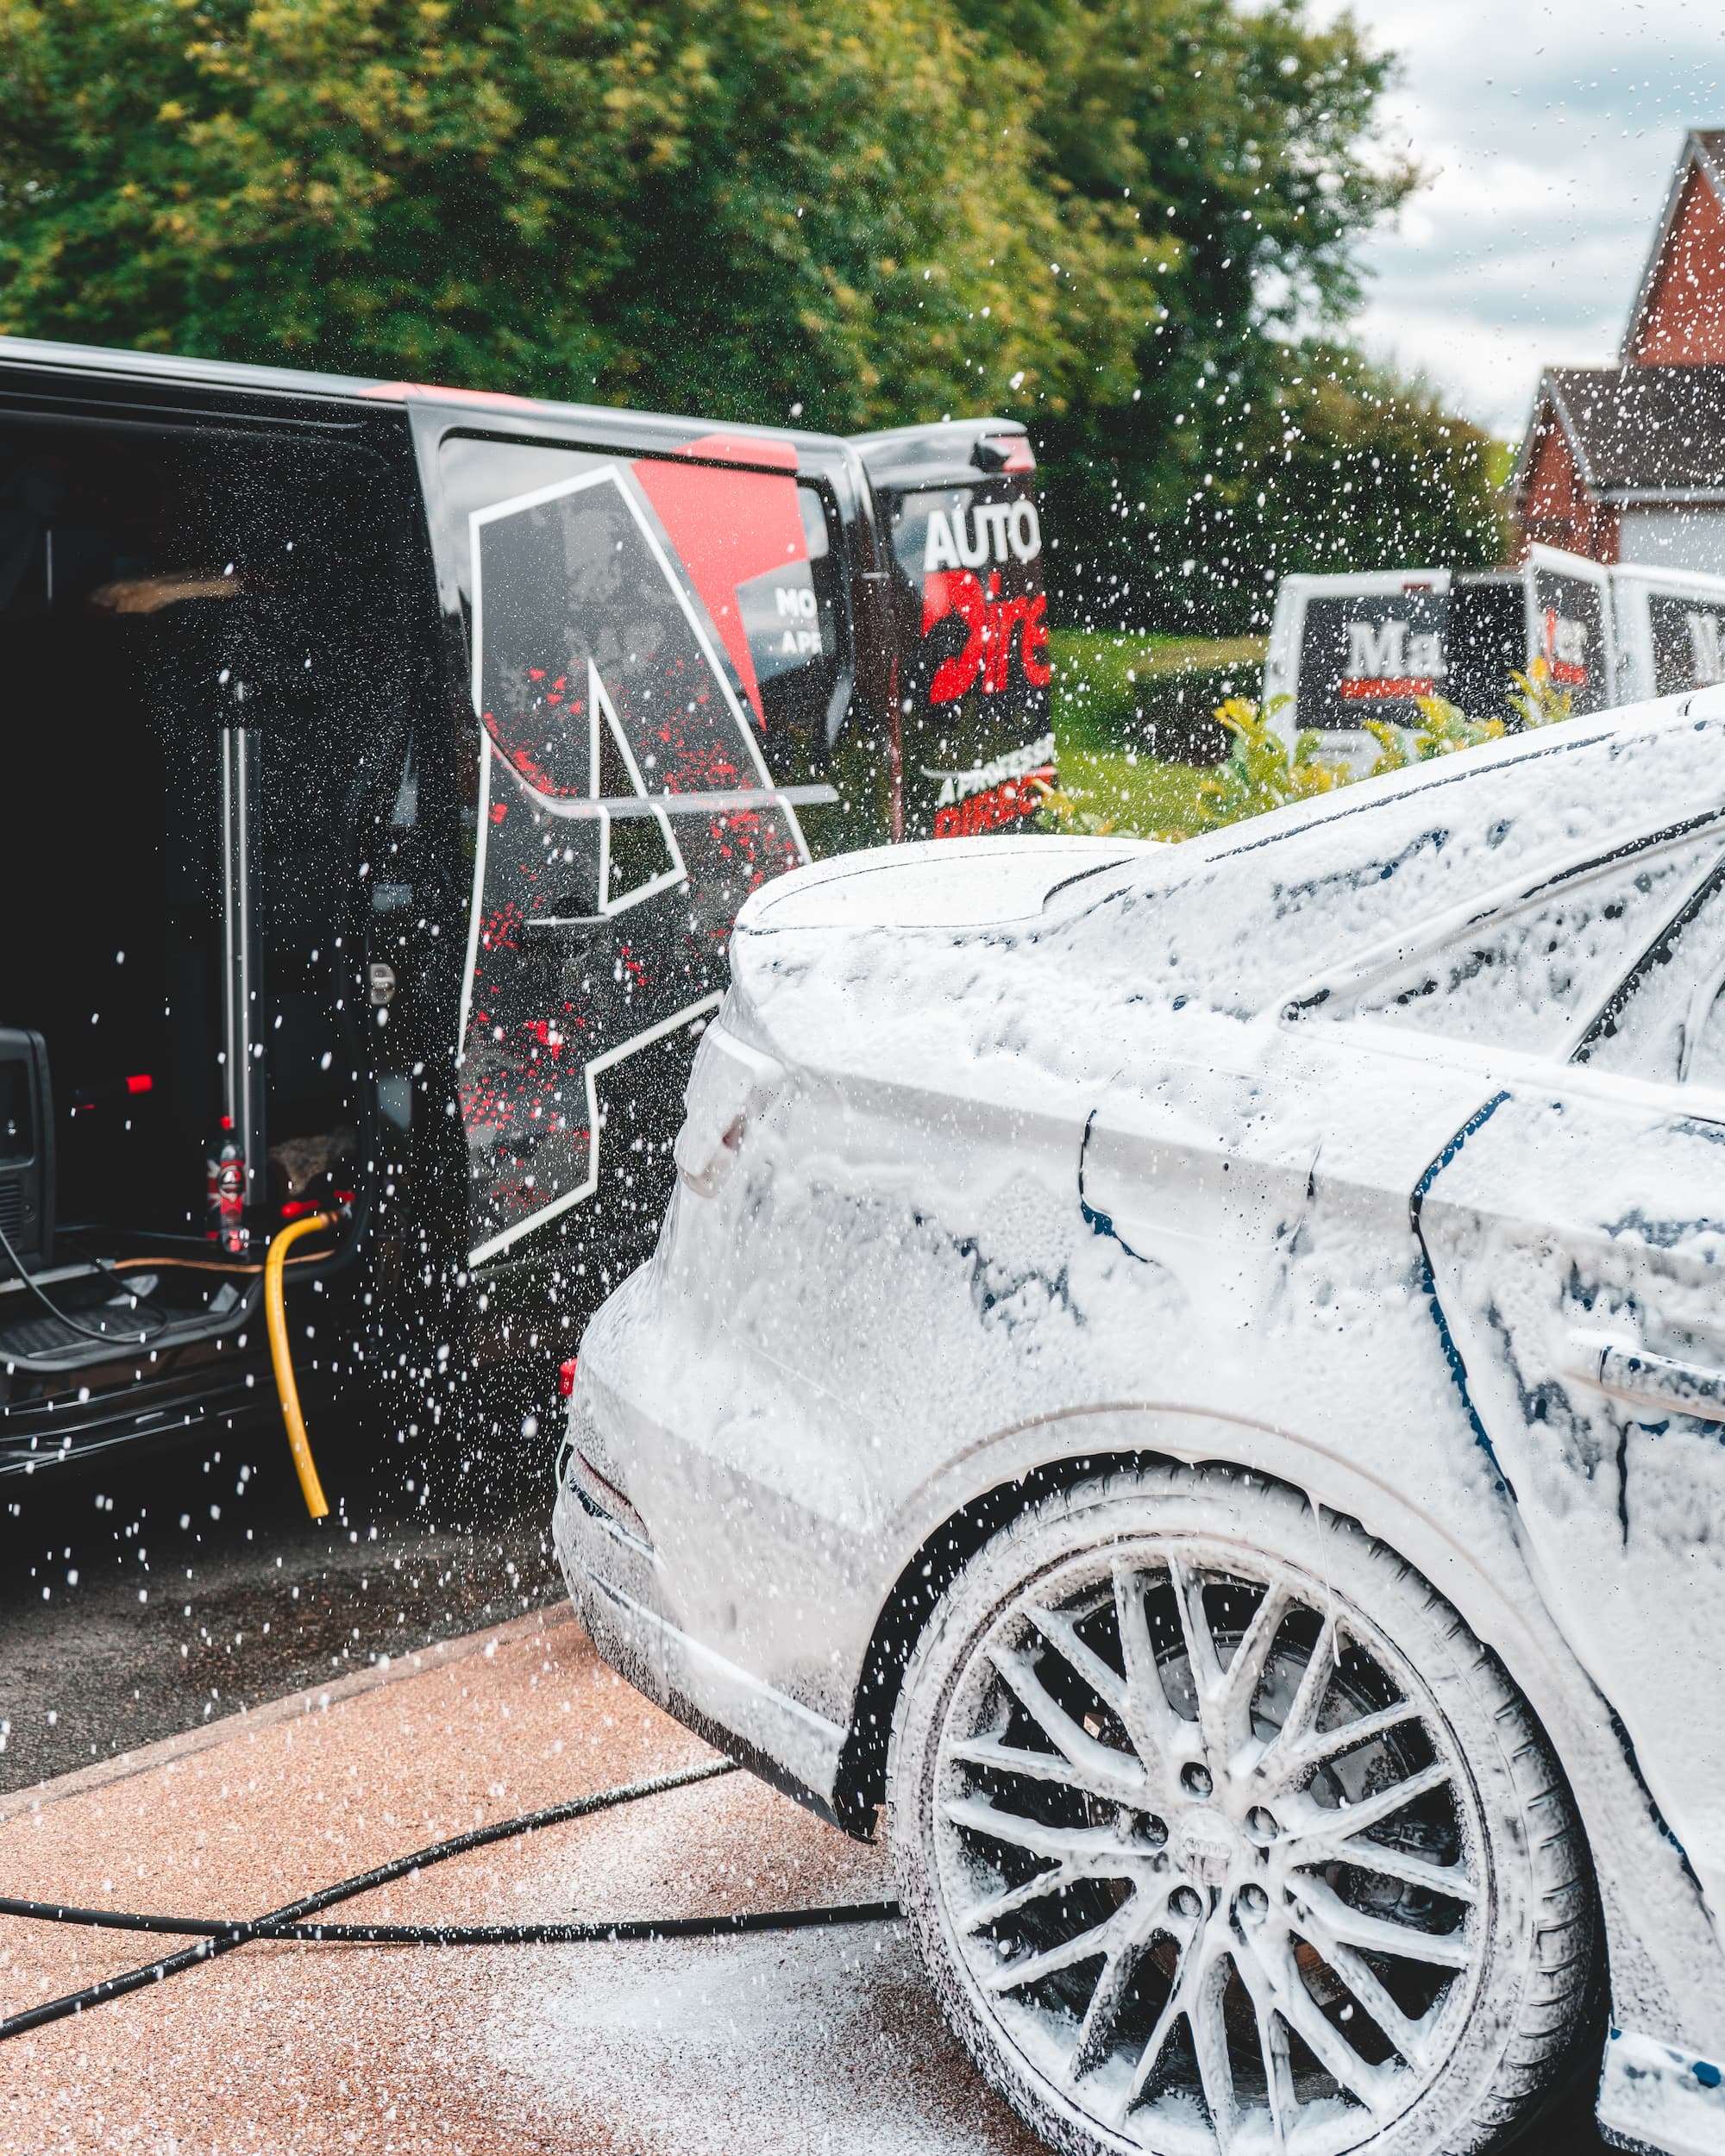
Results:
<point x="1219" y="1831"/>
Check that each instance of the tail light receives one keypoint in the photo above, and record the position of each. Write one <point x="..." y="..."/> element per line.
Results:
<point x="566" y="1377"/>
<point x="730" y="1083"/>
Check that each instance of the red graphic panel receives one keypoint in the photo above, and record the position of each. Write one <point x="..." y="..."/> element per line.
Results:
<point x="728" y="529"/>
<point x="604" y="895"/>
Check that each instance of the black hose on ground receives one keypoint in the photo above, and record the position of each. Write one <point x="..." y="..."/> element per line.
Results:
<point x="594" y="1931"/>
<point x="217" y="1935"/>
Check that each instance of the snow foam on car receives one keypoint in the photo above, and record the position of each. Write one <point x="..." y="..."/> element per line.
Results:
<point x="1293" y="905"/>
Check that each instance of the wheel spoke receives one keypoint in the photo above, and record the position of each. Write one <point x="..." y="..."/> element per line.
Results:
<point x="1186" y="1938"/>
<point x="1161" y="1735"/>
<point x="1123" y="1785"/>
<point x="1283" y="2104"/>
<point x="1061" y="1634"/>
<point x="1451" y="1880"/>
<point x="1081" y="1751"/>
<point x="1053" y="1881"/>
<point x="1366" y="2083"/>
<point x="1103" y="2013"/>
<point x="1096" y="1941"/>
<point x="1201" y="1658"/>
<point x="1411" y="2037"/>
<point x="1278" y="2076"/>
<point x="1247" y="1669"/>
<point x="1378" y="1935"/>
<point x="1329" y="1744"/>
<point x="1330" y="1824"/>
<point x="1309" y="1697"/>
<point x="1092" y="1853"/>
<point x="1210" y="2047"/>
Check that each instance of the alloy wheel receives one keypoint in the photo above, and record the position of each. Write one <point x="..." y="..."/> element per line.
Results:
<point x="1208" y="1852"/>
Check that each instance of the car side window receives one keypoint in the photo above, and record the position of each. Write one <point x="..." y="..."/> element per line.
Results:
<point x="1666" y="1021"/>
<point x="1527" y="977"/>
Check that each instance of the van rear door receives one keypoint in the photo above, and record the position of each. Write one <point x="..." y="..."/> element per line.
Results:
<point x="975" y="741"/>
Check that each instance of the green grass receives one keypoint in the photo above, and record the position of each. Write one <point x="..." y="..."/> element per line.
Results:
<point x="1109" y="791"/>
<point x="1100" y="678"/>
<point x="1113" y="696"/>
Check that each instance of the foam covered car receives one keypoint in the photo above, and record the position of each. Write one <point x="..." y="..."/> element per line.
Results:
<point x="1191" y="1380"/>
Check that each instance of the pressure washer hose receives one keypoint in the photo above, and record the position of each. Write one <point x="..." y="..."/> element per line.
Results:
<point x="217" y="1935"/>
<point x="304" y="1465"/>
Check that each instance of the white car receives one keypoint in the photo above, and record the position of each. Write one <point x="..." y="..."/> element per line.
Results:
<point x="1195" y="1377"/>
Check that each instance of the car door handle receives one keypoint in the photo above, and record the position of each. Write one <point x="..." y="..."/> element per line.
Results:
<point x="1631" y="1373"/>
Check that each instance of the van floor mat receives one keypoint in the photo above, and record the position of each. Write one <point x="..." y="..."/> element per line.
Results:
<point x="40" y="1334"/>
<point x="37" y="1333"/>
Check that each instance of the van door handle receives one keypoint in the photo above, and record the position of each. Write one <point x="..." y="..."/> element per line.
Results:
<point x="1631" y="1373"/>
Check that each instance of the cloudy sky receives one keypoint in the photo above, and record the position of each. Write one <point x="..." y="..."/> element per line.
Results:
<point x="1548" y="133"/>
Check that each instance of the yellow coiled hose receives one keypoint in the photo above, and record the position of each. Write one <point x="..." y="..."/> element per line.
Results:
<point x="304" y="1465"/>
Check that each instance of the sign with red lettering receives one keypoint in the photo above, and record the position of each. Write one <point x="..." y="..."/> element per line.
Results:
<point x="978" y="753"/>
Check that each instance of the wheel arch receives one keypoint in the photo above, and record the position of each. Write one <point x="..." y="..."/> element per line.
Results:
<point x="924" y="1577"/>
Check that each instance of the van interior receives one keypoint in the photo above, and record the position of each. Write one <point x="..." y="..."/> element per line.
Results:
<point x="204" y="659"/>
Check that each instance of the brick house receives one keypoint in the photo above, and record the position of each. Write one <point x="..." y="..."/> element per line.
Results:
<point x="1627" y="463"/>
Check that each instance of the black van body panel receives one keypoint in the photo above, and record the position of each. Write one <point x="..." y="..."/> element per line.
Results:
<point x="544" y="693"/>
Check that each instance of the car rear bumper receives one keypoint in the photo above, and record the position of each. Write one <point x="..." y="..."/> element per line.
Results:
<point x="613" y="1581"/>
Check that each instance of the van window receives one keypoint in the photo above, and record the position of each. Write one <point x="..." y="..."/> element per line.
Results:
<point x="630" y="680"/>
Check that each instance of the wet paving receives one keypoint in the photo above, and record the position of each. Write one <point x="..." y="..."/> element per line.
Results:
<point x="148" y="1596"/>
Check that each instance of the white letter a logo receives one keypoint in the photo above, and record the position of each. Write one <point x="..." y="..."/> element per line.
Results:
<point x="638" y="854"/>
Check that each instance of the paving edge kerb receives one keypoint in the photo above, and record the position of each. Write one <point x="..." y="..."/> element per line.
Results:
<point x="314" y="1699"/>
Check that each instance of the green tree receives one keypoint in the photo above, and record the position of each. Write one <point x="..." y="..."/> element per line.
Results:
<point x="728" y="205"/>
<point x="881" y="210"/>
<point x="1244" y="142"/>
<point x="1335" y="464"/>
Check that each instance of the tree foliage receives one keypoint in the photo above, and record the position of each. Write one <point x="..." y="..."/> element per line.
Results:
<point x="1100" y="216"/>
<point x="1330" y="463"/>
<point x="731" y="206"/>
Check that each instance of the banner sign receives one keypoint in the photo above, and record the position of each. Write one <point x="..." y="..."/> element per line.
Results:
<point x="977" y="744"/>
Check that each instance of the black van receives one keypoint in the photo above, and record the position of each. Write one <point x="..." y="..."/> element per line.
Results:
<point x="385" y="767"/>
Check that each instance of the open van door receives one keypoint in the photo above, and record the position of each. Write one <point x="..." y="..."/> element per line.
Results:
<point x="973" y="735"/>
<point x="663" y="683"/>
<point x="213" y="630"/>
<point x="1570" y="626"/>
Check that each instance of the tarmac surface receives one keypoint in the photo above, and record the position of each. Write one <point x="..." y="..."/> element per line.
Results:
<point x="158" y="1592"/>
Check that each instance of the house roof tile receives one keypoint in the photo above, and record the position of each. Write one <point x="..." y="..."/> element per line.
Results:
<point x="1641" y="429"/>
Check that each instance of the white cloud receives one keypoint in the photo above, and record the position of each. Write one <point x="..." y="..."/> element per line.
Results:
<point x="1548" y="130"/>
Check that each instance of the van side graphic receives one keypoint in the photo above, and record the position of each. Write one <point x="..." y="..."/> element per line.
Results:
<point x="612" y="745"/>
